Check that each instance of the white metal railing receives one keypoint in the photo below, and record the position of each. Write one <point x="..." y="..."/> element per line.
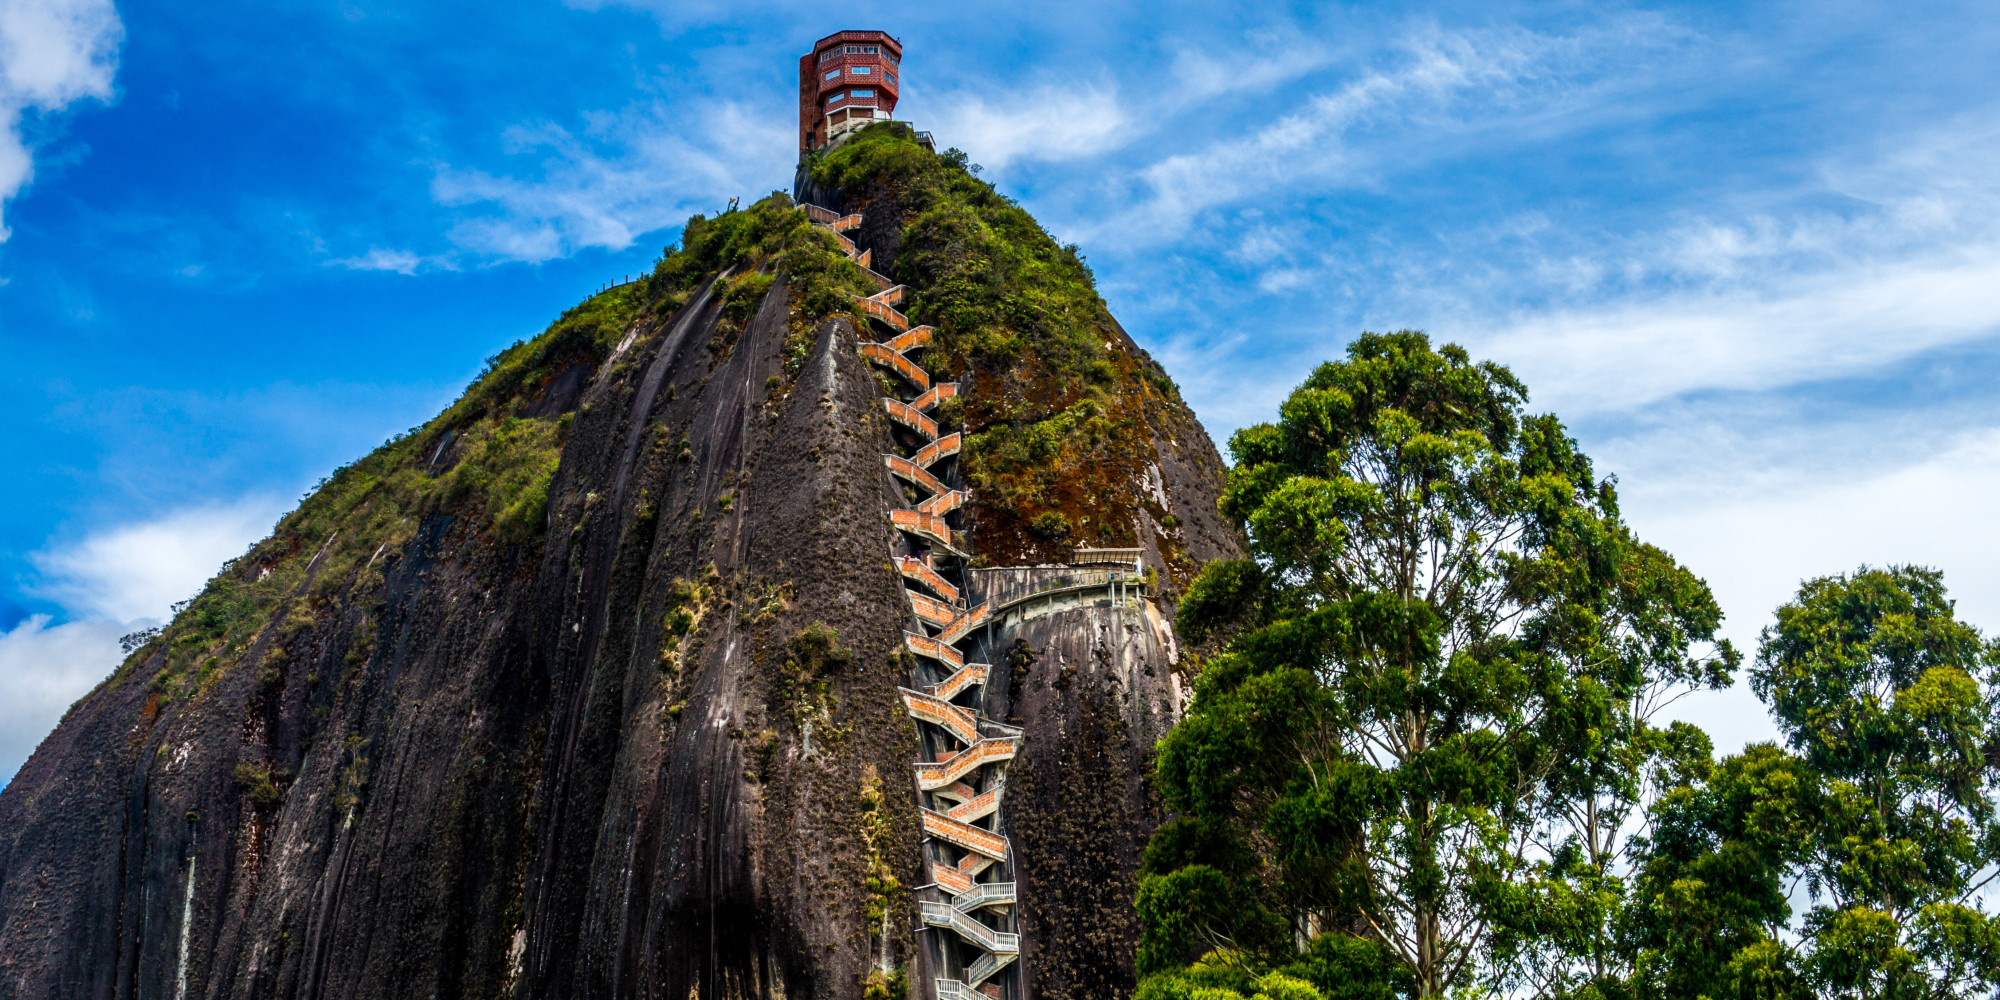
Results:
<point x="952" y="989"/>
<point x="947" y="916"/>
<point x="987" y="965"/>
<point x="985" y="894"/>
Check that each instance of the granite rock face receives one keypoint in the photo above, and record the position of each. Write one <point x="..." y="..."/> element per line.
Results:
<point x="618" y="760"/>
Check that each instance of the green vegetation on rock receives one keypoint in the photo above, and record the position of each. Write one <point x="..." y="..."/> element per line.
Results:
<point x="1061" y="409"/>
<point x="485" y="457"/>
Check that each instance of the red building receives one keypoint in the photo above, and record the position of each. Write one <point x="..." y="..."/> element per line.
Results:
<point x="849" y="80"/>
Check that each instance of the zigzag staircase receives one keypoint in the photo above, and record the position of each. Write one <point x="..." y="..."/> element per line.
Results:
<point x="963" y="786"/>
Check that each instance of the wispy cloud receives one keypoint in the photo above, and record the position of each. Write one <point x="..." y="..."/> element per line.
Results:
<point x="53" y="53"/>
<point x="378" y="259"/>
<point x="1433" y="85"/>
<point x="1051" y="124"/>
<point x="1791" y="331"/>
<point x="626" y="175"/>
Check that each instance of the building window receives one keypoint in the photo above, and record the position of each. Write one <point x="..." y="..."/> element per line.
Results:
<point x="856" y="49"/>
<point x="835" y="99"/>
<point x="862" y="92"/>
<point x="833" y="74"/>
<point x="870" y="49"/>
<point x="862" y="70"/>
<point x="889" y="77"/>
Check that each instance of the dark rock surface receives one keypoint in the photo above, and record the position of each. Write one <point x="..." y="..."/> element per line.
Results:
<point x="502" y="772"/>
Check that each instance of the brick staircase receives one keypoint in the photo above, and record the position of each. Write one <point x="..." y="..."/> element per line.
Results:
<point x="962" y="788"/>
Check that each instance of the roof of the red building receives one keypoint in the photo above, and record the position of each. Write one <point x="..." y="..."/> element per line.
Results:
<point x="859" y="33"/>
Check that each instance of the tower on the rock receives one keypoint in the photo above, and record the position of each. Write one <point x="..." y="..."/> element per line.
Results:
<point x="848" y="81"/>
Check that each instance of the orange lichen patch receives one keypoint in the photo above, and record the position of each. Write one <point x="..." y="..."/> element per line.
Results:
<point x="1073" y="476"/>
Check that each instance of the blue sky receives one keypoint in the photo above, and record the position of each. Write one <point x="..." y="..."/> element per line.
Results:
<point x="1749" y="253"/>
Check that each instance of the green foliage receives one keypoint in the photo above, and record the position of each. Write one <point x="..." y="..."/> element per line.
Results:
<point x="891" y="985"/>
<point x="768" y="239"/>
<point x="1331" y="967"/>
<point x="1428" y="718"/>
<point x="259" y="784"/>
<point x="1056" y="419"/>
<point x="343" y="536"/>
<point x="876" y="833"/>
<point x="1883" y="810"/>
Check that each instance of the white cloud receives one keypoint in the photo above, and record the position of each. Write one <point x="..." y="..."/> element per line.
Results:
<point x="111" y="582"/>
<point x="1791" y="330"/>
<point x="1433" y="72"/>
<point x="1051" y="124"/>
<point x="53" y="53"/>
<point x="627" y="175"/>
<point x="134" y="572"/>
<point x="1755" y="545"/>
<point x="378" y="259"/>
<point x="43" y="670"/>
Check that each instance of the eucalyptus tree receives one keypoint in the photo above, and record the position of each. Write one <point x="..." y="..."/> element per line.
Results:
<point x="1889" y="700"/>
<point x="1423" y="719"/>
